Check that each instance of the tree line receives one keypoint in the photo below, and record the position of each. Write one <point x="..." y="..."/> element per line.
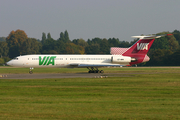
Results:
<point x="165" y="51"/>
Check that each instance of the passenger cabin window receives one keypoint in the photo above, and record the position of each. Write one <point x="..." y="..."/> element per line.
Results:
<point x="35" y="59"/>
<point x="58" y="58"/>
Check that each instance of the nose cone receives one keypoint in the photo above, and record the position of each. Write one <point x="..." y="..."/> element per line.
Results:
<point x="9" y="63"/>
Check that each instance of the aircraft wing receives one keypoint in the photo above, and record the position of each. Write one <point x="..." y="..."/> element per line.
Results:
<point x="84" y="65"/>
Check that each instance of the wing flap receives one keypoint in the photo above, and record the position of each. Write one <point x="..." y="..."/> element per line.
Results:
<point x="83" y="65"/>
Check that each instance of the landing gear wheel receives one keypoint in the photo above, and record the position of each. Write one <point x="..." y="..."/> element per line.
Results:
<point x="30" y="72"/>
<point x="94" y="70"/>
<point x="101" y="71"/>
<point x="97" y="71"/>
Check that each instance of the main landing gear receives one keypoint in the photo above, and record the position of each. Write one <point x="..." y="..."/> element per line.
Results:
<point x="30" y="70"/>
<point x="94" y="70"/>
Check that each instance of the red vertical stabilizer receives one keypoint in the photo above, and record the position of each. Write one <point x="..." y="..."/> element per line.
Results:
<point x="138" y="50"/>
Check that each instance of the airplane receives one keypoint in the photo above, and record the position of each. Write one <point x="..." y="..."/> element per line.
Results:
<point x="118" y="57"/>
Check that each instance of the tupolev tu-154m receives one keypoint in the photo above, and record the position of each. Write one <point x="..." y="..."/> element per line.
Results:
<point x="118" y="57"/>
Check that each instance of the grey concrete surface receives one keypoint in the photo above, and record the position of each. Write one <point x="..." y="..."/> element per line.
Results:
<point x="43" y="76"/>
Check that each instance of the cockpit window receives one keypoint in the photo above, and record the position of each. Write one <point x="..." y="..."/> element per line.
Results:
<point x="15" y="58"/>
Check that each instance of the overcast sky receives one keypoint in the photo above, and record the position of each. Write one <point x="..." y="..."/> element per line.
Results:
<point x="88" y="19"/>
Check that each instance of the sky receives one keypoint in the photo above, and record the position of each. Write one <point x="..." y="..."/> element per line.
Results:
<point x="88" y="19"/>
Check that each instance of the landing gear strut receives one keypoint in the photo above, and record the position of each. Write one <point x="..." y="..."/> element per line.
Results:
<point x="94" y="70"/>
<point x="30" y="70"/>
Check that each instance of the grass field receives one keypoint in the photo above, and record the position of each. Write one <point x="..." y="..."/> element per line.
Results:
<point x="154" y="94"/>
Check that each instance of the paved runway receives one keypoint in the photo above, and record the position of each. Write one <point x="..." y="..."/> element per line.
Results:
<point x="69" y="75"/>
<point x="43" y="76"/>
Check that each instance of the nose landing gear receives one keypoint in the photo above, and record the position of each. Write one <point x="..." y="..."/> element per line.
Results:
<point x="30" y="70"/>
<point x="94" y="70"/>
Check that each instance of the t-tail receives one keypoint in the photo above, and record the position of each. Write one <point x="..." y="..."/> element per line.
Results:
<point x="138" y="51"/>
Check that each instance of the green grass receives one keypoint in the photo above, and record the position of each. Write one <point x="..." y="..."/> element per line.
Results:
<point x="154" y="95"/>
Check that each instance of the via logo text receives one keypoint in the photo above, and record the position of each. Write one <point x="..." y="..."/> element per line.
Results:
<point x="142" y="46"/>
<point x="47" y="60"/>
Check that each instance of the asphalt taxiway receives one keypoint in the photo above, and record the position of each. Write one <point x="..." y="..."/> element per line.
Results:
<point x="43" y="76"/>
<point x="74" y="75"/>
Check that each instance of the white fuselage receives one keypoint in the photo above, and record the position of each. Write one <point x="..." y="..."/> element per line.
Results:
<point x="69" y="60"/>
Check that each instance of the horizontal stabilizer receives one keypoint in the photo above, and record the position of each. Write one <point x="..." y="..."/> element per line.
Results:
<point x="150" y="37"/>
